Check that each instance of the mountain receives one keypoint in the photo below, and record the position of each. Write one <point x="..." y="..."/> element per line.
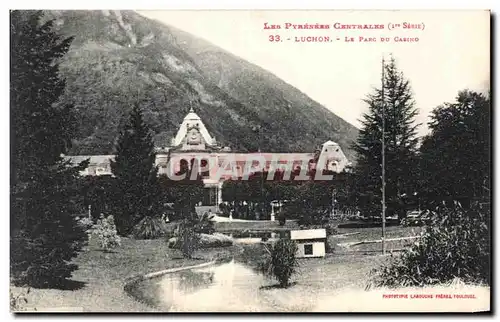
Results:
<point x="118" y="58"/>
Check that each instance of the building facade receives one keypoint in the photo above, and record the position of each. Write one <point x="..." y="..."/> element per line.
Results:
<point x="194" y="146"/>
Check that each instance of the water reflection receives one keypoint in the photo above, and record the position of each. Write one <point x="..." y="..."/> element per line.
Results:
<point x="225" y="287"/>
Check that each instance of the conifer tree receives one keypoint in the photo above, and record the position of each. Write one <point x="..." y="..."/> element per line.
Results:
<point x="45" y="235"/>
<point x="137" y="187"/>
<point x="400" y="147"/>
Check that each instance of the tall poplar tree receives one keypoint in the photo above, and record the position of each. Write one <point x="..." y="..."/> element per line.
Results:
<point x="44" y="187"/>
<point x="137" y="187"/>
<point x="400" y="146"/>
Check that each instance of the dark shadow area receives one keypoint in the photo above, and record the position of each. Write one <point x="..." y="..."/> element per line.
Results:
<point x="64" y="285"/>
<point x="276" y="286"/>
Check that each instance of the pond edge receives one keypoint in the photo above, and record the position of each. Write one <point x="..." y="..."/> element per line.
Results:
<point x="133" y="281"/>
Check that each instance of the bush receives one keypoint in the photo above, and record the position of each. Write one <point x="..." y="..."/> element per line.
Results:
<point x="281" y="218"/>
<point x="205" y="241"/>
<point x="188" y="239"/>
<point x="283" y="262"/>
<point x="105" y="233"/>
<point x="86" y="223"/>
<point x="456" y="245"/>
<point x="215" y="240"/>
<point x="331" y="229"/>
<point x="149" y="228"/>
<point x="205" y="225"/>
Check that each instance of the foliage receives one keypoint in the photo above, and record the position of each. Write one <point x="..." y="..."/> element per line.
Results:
<point x="45" y="235"/>
<point x="98" y="192"/>
<point x="86" y="223"/>
<point x="283" y="263"/>
<point x="149" y="228"/>
<point x="205" y="225"/>
<point x="184" y="194"/>
<point x="187" y="238"/>
<point x="400" y="146"/>
<point x="137" y="189"/>
<point x="281" y="218"/>
<point x="105" y="233"/>
<point x="205" y="241"/>
<point x="455" y="157"/>
<point x="215" y="240"/>
<point x="315" y="203"/>
<point x="456" y="245"/>
<point x="189" y="241"/>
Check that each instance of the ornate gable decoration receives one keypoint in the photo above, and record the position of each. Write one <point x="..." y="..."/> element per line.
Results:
<point x="193" y="135"/>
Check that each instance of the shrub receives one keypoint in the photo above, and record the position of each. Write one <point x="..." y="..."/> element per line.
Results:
<point x="205" y="241"/>
<point x="105" y="233"/>
<point x="456" y="245"/>
<point x="188" y="239"/>
<point x="283" y="262"/>
<point x="205" y="225"/>
<point x="215" y="240"/>
<point x="281" y="218"/>
<point x="86" y="223"/>
<point x="149" y="228"/>
<point x="331" y="229"/>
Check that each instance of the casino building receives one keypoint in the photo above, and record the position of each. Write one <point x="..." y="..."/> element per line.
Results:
<point x="193" y="145"/>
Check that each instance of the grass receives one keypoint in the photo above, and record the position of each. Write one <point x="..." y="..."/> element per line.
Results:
<point x="369" y="234"/>
<point x="102" y="276"/>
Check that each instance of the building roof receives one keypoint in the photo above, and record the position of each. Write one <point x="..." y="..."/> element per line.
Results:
<point x="192" y="119"/>
<point x="330" y="142"/>
<point x="308" y="234"/>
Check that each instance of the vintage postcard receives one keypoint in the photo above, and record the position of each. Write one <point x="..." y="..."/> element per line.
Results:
<point x="250" y="161"/>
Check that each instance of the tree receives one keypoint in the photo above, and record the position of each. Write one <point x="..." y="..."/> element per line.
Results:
<point x="400" y="146"/>
<point x="283" y="262"/>
<point x="45" y="235"/>
<point x="455" y="158"/>
<point x="313" y="202"/>
<point x="184" y="194"/>
<point x="137" y="187"/>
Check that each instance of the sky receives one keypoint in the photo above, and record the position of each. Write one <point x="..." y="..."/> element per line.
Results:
<point x="452" y="52"/>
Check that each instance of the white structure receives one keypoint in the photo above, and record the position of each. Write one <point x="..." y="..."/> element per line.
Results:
<point x="192" y="134"/>
<point x="311" y="242"/>
<point x="332" y="157"/>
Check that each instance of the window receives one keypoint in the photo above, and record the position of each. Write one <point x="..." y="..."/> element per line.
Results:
<point x="308" y="249"/>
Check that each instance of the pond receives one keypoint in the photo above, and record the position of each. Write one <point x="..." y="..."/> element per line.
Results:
<point x="226" y="287"/>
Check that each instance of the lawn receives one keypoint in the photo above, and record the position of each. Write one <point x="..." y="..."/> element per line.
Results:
<point x="97" y="285"/>
<point x="371" y="234"/>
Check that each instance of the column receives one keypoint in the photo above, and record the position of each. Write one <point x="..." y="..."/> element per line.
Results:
<point x="219" y="193"/>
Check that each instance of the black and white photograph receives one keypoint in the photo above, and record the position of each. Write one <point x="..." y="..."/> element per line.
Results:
<point x="250" y="161"/>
